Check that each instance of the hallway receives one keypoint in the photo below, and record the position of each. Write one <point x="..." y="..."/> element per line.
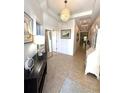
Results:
<point x="65" y="74"/>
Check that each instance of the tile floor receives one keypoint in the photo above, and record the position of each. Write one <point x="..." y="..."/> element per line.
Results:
<point x="65" y="74"/>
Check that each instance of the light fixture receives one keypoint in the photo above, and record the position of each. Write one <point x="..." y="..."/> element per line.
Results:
<point x="85" y="13"/>
<point x="65" y="13"/>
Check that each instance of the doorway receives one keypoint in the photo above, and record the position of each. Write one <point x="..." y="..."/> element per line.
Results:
<point x="83" y="39"/>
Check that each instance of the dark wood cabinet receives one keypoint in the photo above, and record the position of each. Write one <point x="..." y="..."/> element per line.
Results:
<point x="34" y="79"/>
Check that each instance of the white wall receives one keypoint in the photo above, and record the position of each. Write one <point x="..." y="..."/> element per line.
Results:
<point x="76" y="43"/>
<point x="32" y="8"/>
<point x="50" y="23"/>
<point x="92" y="30"/>
<point x="54" y="40"/>
<point x="66" y="46"/>
<point x="93" y="57"/>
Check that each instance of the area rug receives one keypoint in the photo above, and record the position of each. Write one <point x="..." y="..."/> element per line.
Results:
<point x="70" y="86"/>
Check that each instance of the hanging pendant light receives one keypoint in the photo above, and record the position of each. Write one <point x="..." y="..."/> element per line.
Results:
<point x="65" y="13"/>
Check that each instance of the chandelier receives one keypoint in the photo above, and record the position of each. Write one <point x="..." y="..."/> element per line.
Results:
<point x="65" y="13"/>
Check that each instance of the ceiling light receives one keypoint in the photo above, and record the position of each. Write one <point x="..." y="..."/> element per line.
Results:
<point x="65" y="13"/>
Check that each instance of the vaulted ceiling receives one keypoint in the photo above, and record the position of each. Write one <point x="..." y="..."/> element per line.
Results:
<point x="78" y="10"/>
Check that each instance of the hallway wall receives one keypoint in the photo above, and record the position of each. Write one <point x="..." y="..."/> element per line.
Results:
<point x="54" y="40"/>
<point x="32" y="8"/>
<point x="93" y="29"/>
<point x="50" y="23"/>
<point x="76" y="43"/>
<point x="66" y="46"/>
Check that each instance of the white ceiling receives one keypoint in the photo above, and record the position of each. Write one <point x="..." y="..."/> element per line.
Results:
<point x="77" y="7"/>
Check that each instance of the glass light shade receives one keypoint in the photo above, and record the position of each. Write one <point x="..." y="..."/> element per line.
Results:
<point x="65" y="14"/>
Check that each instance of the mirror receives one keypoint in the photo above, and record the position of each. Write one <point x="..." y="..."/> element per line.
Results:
<point x="48" y="42"/>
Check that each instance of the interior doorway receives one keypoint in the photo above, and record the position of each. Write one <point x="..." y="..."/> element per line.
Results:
<point x="83" y="39"/>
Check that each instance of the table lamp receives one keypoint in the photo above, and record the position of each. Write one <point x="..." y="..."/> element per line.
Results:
<point x="39" y="40"/>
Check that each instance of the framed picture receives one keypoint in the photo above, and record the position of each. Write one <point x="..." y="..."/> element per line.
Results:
<point x="28" y="28"/>
<point x="66" y="34"/>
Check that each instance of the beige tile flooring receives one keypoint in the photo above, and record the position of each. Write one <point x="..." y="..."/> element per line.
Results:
<point x="65" y="74"/>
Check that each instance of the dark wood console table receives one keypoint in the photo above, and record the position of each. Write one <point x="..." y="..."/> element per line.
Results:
<point x="34" y="79"/>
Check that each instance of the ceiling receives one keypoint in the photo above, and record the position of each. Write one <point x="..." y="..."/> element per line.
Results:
<point x="84" y="23"/>
<point x="77" y="8"/>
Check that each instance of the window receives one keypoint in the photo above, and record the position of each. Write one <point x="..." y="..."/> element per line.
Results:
<point x="39" y="30"/>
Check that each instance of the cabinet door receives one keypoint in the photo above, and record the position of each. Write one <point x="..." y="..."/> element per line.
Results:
<point x="30" y="86"/>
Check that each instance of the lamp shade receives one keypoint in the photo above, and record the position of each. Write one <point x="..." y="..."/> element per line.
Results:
<point x="38" y="39"/>
<point x="65" y="14"/>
